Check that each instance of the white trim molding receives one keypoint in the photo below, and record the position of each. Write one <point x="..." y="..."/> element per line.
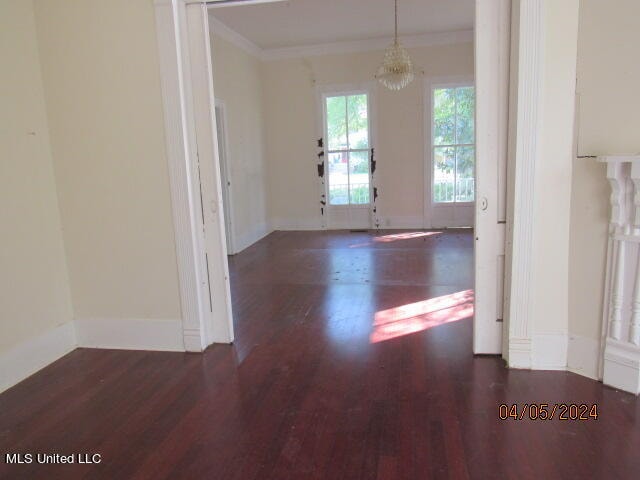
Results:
<point x="182" y="32"/>
<point x="368" y="45"/>
<point x="181" y="161"/>
<point x="28" y="357"/>
<point x="529" y="106"/>
<point x="220" y="29"/>
<point x="130" y="334"/>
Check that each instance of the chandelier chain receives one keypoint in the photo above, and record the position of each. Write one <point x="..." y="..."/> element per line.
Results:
<point x="395" y="36"/>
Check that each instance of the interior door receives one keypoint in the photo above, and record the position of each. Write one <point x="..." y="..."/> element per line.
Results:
<point x="346" y="122"/>
<point x="492" y="44"/>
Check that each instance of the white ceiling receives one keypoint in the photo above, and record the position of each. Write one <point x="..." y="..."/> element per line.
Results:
<point x="308" y="22"/>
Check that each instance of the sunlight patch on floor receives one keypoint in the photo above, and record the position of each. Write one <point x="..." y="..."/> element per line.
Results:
<point x="403" y="236"/>
<point x="420" y="316"/>
<point x="395" y="237"/>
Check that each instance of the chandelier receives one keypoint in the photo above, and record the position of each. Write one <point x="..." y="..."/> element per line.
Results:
<point x="396" y="71"/>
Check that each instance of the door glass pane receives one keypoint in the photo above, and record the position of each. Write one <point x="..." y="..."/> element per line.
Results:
<point x="336" y="123"/>
<point x="359" y="177"/>
<point x="465" y="183"/>
<point x="443" y="174"/>
<point x="444" y="116"/>
<point x="465" y="100"/>
<point x="338" y="178"/>
<point x="358" y="123"/>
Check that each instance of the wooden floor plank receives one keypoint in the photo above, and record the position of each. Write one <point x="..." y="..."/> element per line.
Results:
<point x="352" y="361"/>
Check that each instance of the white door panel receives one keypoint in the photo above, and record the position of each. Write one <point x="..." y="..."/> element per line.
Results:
<point x="492" y="86"/>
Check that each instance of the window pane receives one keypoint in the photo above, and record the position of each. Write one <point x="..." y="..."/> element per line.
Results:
<point x="444" y="116"/>
<point x="336" y="123"/>
<point x="359" y="177"/>
<point x="358" y="124"/>
<point x="465" y="99"/>
<point x="338" y="178"/>
<point x="443" y="174"/>
<point x="465" y="182"/>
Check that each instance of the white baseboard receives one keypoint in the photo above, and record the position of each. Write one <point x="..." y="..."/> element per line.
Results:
<point x="27" y="358"/>
<point x="549" y="351"/>
<point x="583" y="356"/>
<point x="130" y="334"/>
<point x="245" y="240"/>
<point x="386" y="223"/>
<point x="520" y="353"/>
<point x="289" y="224"/>
<point x="622" y="366"/>
<point x="401" y="222"/>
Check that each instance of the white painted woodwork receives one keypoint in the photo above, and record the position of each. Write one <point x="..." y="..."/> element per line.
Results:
<point x="621" y="341"/>
<point x="529" y="104"/>
<point x="492" y="88"/>
<point x="182" y="34"/>
<point x="218" y="322"/>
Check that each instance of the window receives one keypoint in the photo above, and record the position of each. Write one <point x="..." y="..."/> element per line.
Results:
<point x="347" y="133"/>
<point x="453" y="144"/>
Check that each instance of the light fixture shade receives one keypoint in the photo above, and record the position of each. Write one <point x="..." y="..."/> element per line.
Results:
<point x="396" y="71"/>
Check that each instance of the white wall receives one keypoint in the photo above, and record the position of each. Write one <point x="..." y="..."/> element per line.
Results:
<point x="34" y="286"/>
<point x="291" y="132"/>
<point x="608" y="123"/>
<point x="102" y="85"/>
<point x="237" y="82"/>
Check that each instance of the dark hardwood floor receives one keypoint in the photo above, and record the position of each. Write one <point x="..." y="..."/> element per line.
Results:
<point x="352" y="361"/>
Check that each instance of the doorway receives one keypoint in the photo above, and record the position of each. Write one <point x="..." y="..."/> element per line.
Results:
<point x="491" y="42"/>
<point x="348" y="143"/>
<point x="225" y="174"/>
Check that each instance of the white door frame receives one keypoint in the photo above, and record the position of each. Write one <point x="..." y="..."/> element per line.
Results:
<point x="182" y="27"/>
<point x="226" y="183"/>
<point x="191" y="141"/>
<point x="430" y="83"/>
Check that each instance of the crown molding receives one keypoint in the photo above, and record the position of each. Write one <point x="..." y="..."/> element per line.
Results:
<point x="231" y="3"/>
<point x="335" y="48"/>
<point x="367" y="45"/>
<point x="218" y="28"/>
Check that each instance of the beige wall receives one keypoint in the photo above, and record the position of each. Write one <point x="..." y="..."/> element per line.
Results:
<point x="608" y="123"/>
<point x="101" y="75"/>
<point x="34" y="287"/>
<point x="292" y="113"/>
<point x="237" y="82"/>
